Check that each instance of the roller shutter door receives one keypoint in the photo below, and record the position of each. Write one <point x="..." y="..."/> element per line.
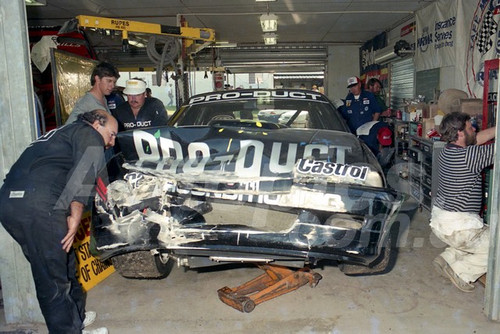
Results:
<point x="402" y="82"/>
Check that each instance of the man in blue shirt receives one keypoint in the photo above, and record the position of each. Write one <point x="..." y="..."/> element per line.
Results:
<point x="360" y="106"/>
<point x="139" y="111"/>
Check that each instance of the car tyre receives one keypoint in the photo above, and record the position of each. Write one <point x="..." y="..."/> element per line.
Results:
<point x="142" y="264"/>
<point x="382" y="265"/>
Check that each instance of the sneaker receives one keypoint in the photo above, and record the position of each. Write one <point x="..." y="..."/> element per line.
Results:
<point x="102" y="330"/>
<point x="439" y="264"/>
<point x="457" y="281"/>
<point x="90" y="317"/>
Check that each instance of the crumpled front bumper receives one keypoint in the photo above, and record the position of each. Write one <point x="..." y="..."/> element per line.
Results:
<point x="313" y="222"/>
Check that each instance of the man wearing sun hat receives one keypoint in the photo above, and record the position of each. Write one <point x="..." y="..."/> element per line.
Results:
<point x="360" y="106"/>
<point x="139" y="111"/>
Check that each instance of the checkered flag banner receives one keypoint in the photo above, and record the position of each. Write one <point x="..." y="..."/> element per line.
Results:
<point x="489" y="28"/>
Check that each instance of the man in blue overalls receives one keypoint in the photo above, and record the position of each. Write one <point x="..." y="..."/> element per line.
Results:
<point x="360" y="106"/>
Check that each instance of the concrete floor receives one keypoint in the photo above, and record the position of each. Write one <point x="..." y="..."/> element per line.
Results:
<point x="412" y="298"/>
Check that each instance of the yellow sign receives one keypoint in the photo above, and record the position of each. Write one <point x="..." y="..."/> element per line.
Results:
<point x="90" y="270"/>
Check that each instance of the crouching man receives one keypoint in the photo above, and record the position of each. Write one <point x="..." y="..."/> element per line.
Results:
<point x="455" y="214"/>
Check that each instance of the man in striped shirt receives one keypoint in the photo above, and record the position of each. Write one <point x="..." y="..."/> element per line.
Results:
<point x="455" y="214"/>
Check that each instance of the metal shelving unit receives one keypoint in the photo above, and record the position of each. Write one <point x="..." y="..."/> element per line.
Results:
<point x="416" y="162"/>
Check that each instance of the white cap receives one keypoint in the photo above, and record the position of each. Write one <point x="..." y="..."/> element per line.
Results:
<point x="352" y="81"/>
<point x="134" y="87"/>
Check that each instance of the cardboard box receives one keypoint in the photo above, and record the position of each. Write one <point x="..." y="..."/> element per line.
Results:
<point x="434" y="110"/>
<point x="424" y="109"/>
<point x="472" y="107"/>
<point x="418" y="111"/>
<point x="427" y="125"/>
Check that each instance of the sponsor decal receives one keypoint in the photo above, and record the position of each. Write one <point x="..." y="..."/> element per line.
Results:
<point x="261" y="94"/>
<point x="137" y="124"/>
<point x="425" y="40"/>
<point x="492" y="97"/>
<point x="441" y="37"/>
<point x="323" y="168"/>
<point x="249" y="157"/>
<point x="252" y="187"/>
<point x="16" y="194"/>
<point x="408" y="29"/>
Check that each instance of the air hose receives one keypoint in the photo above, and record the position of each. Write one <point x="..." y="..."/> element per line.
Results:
<point x="170" y="52"/>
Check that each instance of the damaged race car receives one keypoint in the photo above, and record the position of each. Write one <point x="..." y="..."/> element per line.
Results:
<point x="222" y="185"/>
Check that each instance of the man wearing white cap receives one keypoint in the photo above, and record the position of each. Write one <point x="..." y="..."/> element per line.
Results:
<point x="139" y="111"/>
<point x="360" y="105"/>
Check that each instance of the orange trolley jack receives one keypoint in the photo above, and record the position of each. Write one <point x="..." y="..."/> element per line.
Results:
<point x="276" y="281"/>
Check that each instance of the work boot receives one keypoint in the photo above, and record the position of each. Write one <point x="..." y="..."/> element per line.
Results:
<point x="90" y="317"/>
<point x="444" y="269"/>
<point x="439" y="264"/>
<point x="102" y="330"/>
<point x="457" y="281"/>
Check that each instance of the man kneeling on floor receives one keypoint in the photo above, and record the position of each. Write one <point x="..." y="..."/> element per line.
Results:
<point x="455" y="214"/>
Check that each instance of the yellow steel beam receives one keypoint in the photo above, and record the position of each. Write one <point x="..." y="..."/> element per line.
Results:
<point x="196" y="34"/>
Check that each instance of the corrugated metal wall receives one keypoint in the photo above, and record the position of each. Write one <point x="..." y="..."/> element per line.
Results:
<point x="402" y="82"/>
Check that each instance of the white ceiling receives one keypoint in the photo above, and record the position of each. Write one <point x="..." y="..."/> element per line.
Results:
<point x="304" y="26"/>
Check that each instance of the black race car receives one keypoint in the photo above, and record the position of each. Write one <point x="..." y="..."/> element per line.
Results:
<point x="226" y="183"/>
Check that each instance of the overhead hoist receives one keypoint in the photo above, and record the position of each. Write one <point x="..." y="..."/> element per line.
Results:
<point x="196" y="38"/>
<point x="192" y="40"/>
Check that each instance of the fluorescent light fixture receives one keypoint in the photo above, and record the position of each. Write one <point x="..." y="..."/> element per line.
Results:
<point x="269" y="22"/>
<point x="265" y="0"/>
<point x="136" y="43"/>
<point x="270" y="38"/>
<point x="225" y="44"/>
<point x="35" y="2"/>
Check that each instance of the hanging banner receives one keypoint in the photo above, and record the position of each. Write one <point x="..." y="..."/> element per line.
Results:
<point x="381" y="74"/>
<point x="482" y="35"/>
<point x="436" y="35"/>
<point x="367" y="53"/>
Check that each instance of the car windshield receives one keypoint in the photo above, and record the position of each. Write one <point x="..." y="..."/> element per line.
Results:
<point x="293" y="113"/>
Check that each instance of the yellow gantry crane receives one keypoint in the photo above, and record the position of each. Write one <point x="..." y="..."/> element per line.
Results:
<point x="196" y="38"/>
<point x="193" y="41"/>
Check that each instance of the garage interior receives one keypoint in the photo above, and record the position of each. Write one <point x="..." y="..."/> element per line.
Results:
<point x="317" y="42"/>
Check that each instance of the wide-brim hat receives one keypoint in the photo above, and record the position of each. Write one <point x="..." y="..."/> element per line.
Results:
<point x="134" y="87"/>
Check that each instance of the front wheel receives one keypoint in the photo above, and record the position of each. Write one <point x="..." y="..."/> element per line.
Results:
<point x="382" y="265"/>
<point x="142" y="264"/>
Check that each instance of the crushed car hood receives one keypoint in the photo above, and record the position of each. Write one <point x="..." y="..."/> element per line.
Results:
<point x="327" y="185"/>
<point x="229" y="152"/>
